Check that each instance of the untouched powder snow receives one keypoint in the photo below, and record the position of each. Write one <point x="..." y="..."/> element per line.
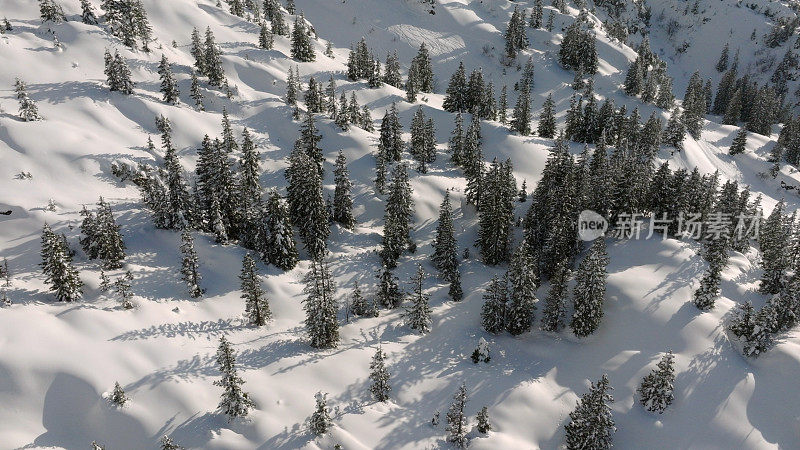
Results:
<point x="59" y="361"/>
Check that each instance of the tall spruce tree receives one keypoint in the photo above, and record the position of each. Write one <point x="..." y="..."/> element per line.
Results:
<point x="445" y="253"/>
<point x="28" y="111"/>
<point x="60" y="273"/>
<point x="554" y="311"/>
<point x="590" y="290"/>
<point x="235" y="402"/>
<point x="457" y="419"/>
<point x="418" y="315"/>
<point x="342" y="201"/>
<point x="379" y="377"/>
<point x="190" y="266"/>
<point x="301" y="49"/>
<point x="397" y="218"/>
<point x="591" y="424"/>
<point x="279" y="248"/>
<point x="547" y="119"/>
<point x="169" y="87"/>
<point x="499" y="189"/>
<point x="388" y="295"/>
<point x="522" y="295"/>
<point x="256" y="303"/>
<point x="320" y="306"/>
<point x="495" y="302"/>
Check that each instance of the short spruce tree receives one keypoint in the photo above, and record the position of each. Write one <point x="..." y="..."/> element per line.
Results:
<point x="591" y="424"/>
<point x="235" y="402"/>
<point x="379" y="377"/>
<point x="320" y="422"/>
<point x="656" y="390"/>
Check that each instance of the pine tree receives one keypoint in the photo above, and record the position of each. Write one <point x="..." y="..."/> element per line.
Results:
<point x="28" y="111"/>
<point x="483" y="415"/>
<point x="212" y="61"/>
<point x="306" y="202"/>
<point x="168" y="444"/>
<point x="256" y="303"/>
<point x="320" y="307"/>
<point x="675" y="132"/>
<point x="455" y="144"/>
<point x="379" y="376"/>
<point x="391" y="73"/>
<point x="705" y="296"/>
<point x="190" y="266"/>
<point x="51" y="11"/>
<point x="418" y="315"/>
<point x="656" y="390"/>
<point x="423" y="70"/>
<point x="198" y="52"/>
<point x="118" y="397"/>
<point x="547" y="119"/>
<point x="397" y="218"/>
<point x="359" y="306"/>
<point x="195" y="93"/>
<point x="265" y="37"/>
<point x="235" y="402"/>
<point x="456" y="419"/>
<point x="301" y="50"/>
<point x="342" y="202"/>
<point x="179" y="212"/>
<point x="87" y="13"/>
<point x="521" y="119"/>
<point x="722" y="63"/>
<point x="105" y="282"/>
<point x="320" y="421"/>
<point x="496" y="208"/>
<point x="391" y="141"/>
<point x="445" y="253"/>
<point x="522" y="295"/>
<point x="578" y="49"/>
<point x="169" y="87"/>
<point x="590" y="289"/>
<point x="60" y="273"/>
<point x="493" y="313"/>
<point x="739" y="142"/>
<point x="123" y="288"/>
<point x="277" y="241"/>
<point x="554" y="310"/>
<point x="536" y="15"/>
<point x="591" y="424"/>
<point x="472" y="162"/>
<point x="774" y="243"/>
<point x="502" y="107"/>
<point x="456" y="94"/>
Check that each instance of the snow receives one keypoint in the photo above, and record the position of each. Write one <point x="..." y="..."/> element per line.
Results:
<point x="57" y="360"/>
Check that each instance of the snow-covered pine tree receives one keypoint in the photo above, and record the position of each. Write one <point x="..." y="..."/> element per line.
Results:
<point x="198" y="52"/>
<point x="256" y="303"/>
<point x="379" y="377"/>
<point x="388" y="295"/>
<point x="118" y="397"/>
<point x="306" y="202"/>
<point x="445" y="253"/>
<point x="265" y="37"/>
<point x="502" y="106"/>
<point x="762" y="337"/>
<point x="456" y="94"/>
<point x="418" y="315"/>
<point x="320" y="422"/>
<point x="421" y="66"/>
<point x="51" y="11"/>
<point x="195" y="94"/>
<point x="120" y="75"/>
<point x="656" y="389"/>
<point x="483" y="415"/>
<point x="547" y="120"/>
<point x="180" y="208"/>
<point x="60" y="273"/>
<point x="391" y="140"/>
<point x="5" y="273"/>
<point x="456" y="419"/>
<point x="456" y="142"/>
<point x="212" y="60"/>
<point x="391" y="73"/>
<point x="521" y="117"/>
<point x="496" y="209"/>
<point x="279" y="247"/>
<point x="739" y="142"/>
<point x="590" y="290"/>
<point x="167" y="443"/>
<point x="591" y="424"/>
<point x="248" y="192"/>
<point x="578" y="49"/>
<point x="722" y="62"/>
<point x="675" y="132"/>
<point x="301" y="49"/>
<point x="399" y="210"/>
<point x="342" y="200"/>
<point x="515" y="35"/>
<point x="123" y="288"/>
<point x="108" y="245"/>
<point x="359" y="306"/>
<point x="495" y="300"/>
<point x="481" y="352"/>
<point x="320" y="306"/>
<point x="522" y="295"/>
<point x="773" y="242"/>
<point x="190" y="266"/>
<point x="28" y="111"/>
<point x="105" y="282"/>
<point x="169" y="87"/>
<point x="235" y="402"/>
<point x="472" y="162"/>
<point x="554" y="310"/>
<point x="87" y="13"/>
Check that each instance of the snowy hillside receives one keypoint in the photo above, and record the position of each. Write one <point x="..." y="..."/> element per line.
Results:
<point x="59" y="361"/>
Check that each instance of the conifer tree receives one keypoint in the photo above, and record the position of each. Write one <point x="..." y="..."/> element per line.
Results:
<point x="515" y="35"/>
<point x="118" y="397"/>
<point x="483" y="415"/>
<point x="248" y="192"/>
<point x="391" y="141"/>
<point x="547" y="119"/>
<point x="705" y="296"/>
<point x="423" y="70"/>
<point x="578" y="49"/>
<point x="675" y="132"/>
<point x="265" y="37"/>
<point x="51" y="11"/>
<point x="454" y="291"/>
<point x="306" y="202"/>
<point x="493" y="313"/>
<point x="522" y="295"/>
<point x="379" y="377"/>
<point x="320" y="306"/>
<point x="590" y="290"/>
<point x="521" y="119"/>
<point x="455" y="144"/>
<point x="342" y="202"/>
<point x="168" y="444"/>
<point x="302" y="49"/>
<point x="195" y="93"/>
<point x="87" y="13"/>
<point x="722" y="63"/>
<point x="292" y="86"/>
<point x="774" y="242"/>
<point x="656" y="389"/>
<point x="28" y="111"/>
<point x="60" y="273"/>
<point x="320" y="421"/>
<point x="472" y="162"/>
<point x="279" y="247"/>
<point x="169" y="87"/>
<point x="591" y="424"/>
<point x="123" y="288"/>
<point x="198" y="52"/>
<point x="235" y="402"/>
<point x="389" y="295"/>
<point x="391" y="73"/>
<point x="445" y="253"/>
<point x="456" y="419"/>
<point x="502" y="107"/>
<point x="554" y="310"/>
<point x="496" y="210"/>
<point x="397" y="218"/>
<point x="456" y="94"/>
<point x="256" y="302"/>
<point x="190" y="265"/>
<point x="418" y="315"/>
<point x="179" y="212"/>
<point x="5" y="274"/>
<point x="359" y="306"/>
<point x="739" y="142"/>
<point x="212" y="61"/>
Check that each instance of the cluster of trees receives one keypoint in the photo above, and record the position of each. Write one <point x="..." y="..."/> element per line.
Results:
<point x="321" y="99"/>
<point x="101" y="236"/>
<point x="578" y="50"/>
<point x="471" y="95"/>
<point x="647" y="76"/>
<point x="738" y="99"/>
<point x="118" y="75"/>
<point x="516" y="37"/>
<point x="362" y="64"/>
<point x="127" y="20"/>
<point x="208" y="58"/>
<point x="59" y="270"/>
<point x="51" y="11"/>
<point x="302" y="49"/>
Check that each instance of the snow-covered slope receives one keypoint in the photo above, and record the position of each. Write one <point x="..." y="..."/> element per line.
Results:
<point x="57" y="360"/>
